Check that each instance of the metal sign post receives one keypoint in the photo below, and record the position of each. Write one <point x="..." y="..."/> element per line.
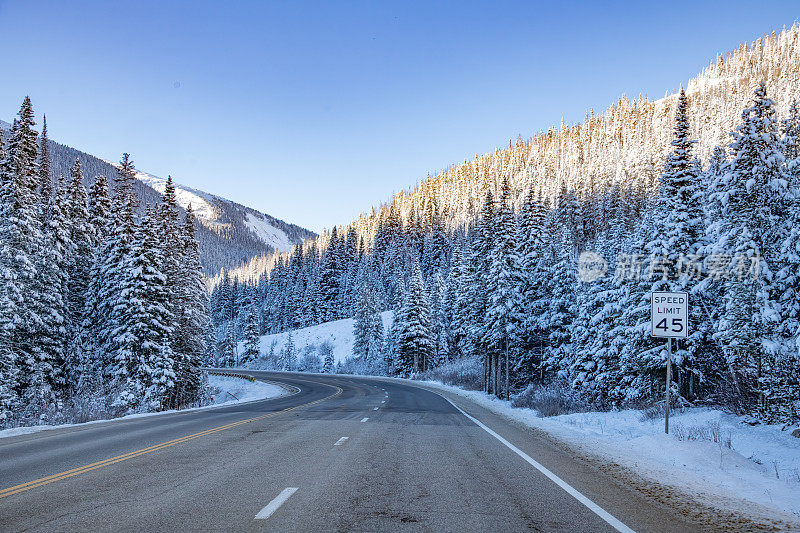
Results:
<point x="669" y="318"/>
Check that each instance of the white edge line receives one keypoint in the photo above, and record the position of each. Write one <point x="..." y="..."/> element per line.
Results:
<point x="341" y="441"/>
<point x="365" y="419"/>
<point x="273" y="506"/>
<point x="596" y="509"/>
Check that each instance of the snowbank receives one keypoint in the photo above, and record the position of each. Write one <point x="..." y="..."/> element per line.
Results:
<point x="235" y="390"/>
<point x="762" y="464"/>
<point x="225" y="391"/>
<point x="338" y="333"/>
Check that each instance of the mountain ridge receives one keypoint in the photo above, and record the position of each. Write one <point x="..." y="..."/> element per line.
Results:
<point x="229" y="233"/>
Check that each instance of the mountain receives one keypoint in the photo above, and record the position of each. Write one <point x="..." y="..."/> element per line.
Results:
<point x="229" y="233"/>
<point x="541" y="258"/>
<point x="625" y="146"/>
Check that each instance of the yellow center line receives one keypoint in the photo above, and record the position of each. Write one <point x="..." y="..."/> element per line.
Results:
<point x="16" y="489"/>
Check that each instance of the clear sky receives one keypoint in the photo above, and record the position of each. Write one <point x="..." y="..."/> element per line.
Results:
<point x="315" y="111"/>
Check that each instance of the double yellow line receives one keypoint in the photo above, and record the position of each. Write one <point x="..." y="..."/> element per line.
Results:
<point x="16" y="489"/>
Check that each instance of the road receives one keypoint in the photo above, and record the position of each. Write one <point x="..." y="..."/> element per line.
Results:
<point x="339" y="454"/>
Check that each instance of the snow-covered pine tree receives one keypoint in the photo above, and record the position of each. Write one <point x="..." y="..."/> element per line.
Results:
<point x="557" y="299"/>
<point x="20" y="242"/>
<point x="81" y="236"/>
<point x="755" y="215"/>
<point x="368" y="329"/>
<point x="477" y="298"/>
<point x="330" y="278"/>
<point x="109" y="275"/>
<point x="440" y="319"/>
<point x="288" y="359"/>
<point x="100" y="227"/>
<point x="8" y="363"/>
<point x="251" y="338"/>
<point x="144" y="365"/>
<point x="415" y="345"/>
<point x="327" y="360"/>
<point x="99" y="204"/>
<point x="504" y="310"/>
<point x="191" y="302"/>
<point x="53" y="265"/>
<point x="532" y="246"/>
<point x="45" y="176"/>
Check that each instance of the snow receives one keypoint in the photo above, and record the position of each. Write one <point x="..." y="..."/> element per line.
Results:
<point x="209" y="216"/>
<point x="339" y="333"/>
<point x="229" y="391"/>
<point x="268" y="233"/>
<point x="237" y="390"/>
<point x="762" y="466"/>
<point x="203" y="210"/>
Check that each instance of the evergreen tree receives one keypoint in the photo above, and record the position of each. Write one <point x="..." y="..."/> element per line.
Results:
<point x="45" y="176"/>
<point x="415" y="343"/>
<point x="144" y="366"/>
<point x="20" y="241"/>
<point x="368" y="330"/>
<point x="251" y="338"/>
<point x="327" y="364"/>
<point x="755" y="208"/>
<point x="504" y="312"/>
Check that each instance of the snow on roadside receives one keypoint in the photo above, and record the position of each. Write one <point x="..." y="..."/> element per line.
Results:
<point x="761" y="466"/>
<point x="225" y="391"/>
<point x="235" y="390"/>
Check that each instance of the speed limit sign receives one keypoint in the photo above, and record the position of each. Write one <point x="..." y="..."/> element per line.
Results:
<point x="669" y="314"/>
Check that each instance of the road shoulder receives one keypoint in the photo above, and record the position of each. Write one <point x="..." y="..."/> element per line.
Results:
<point x="708" y="510"/>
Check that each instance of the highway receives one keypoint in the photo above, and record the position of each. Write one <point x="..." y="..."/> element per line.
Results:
<point x="337" y="454"/>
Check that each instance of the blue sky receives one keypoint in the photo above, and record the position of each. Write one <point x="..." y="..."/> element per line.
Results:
<point x="315" y="111"/>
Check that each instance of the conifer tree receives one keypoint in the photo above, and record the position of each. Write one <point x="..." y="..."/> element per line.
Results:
<point x="191" y="302"/>
<point x="754" y="212"/>
<point x="251" y="338"/>
<point x="415" y="345"/>
<point x="503" y="312"/>
<point x="672" y="240"/>
<point x="367" y="329"/>
<point x="45" y="176"/>
<point x="20" y="242"/>
<point x="144" y="366"/>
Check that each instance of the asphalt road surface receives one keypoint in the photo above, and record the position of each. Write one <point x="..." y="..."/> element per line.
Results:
<point x="338" y="454"/>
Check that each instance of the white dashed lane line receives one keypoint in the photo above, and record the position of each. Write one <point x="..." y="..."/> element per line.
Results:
<point x="341" y="441"/>
<point x="275" y="504"/>
<point x="365" y="419"/>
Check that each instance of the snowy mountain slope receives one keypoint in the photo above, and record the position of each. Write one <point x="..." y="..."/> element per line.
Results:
<point x="229" y="233"/>
<point x="210" y="211"/>
<point x="338" y="333"/>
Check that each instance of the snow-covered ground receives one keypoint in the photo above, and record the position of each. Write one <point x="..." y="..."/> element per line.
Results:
<point x="339" y="333"/>
<point x="234" y="390"/>
<point x="762" y="464"/>
<point x="225" y="391"/>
